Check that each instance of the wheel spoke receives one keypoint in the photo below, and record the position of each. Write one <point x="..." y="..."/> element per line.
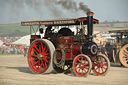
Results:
<point x="45" y="65"/>
<point x="87" y="67"/>
<point x="125" y="51"/>
<point x="35" y="58"/>
<point x="33" y="55"/>
<point x="41" y="45"/>
<point x="36" y="52"/>
<point x="36" y="63"/>
<point x="106" y="64"/>
<point x="125" y="54"/>
<point x="126" y="60"/>
<point x="82" y="59"/>
<point x="42" y="64"/>
<point x="39" y="64"/>
<point x="102" y="69"/>
<point x="82" y="71"/>
<point x="99" y="69"/>
<point x="85" y="70"/>
<point x="79" y="70"/>
<point x="86" y="64"/>
<point x="37" y="49"/>
<point x="45" y="59"/>
<point x="40" y="48"/>
<point x="45" y="49"/>
<point x="96" y="69"/>
<point x="79" y="60"/>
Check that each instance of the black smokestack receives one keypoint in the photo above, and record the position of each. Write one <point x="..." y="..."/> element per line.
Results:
<point x="90" y="25"/>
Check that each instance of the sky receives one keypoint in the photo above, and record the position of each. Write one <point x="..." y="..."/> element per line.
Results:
<point x="15" y="11"/>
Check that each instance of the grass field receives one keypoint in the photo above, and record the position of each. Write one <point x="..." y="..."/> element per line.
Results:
<point x="18" y="30"/>
<point x="13" y="29"/>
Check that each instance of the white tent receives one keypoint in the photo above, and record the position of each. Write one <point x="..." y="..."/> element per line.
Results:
<point x="1" y="42"/>
<point x="25" y="40"/>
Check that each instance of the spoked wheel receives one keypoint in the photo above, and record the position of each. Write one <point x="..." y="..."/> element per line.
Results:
<point x="123" y="55"/>
<point x="81" y="65"/>
<point x="40" y="56"/>
<point x="101" y="65"/>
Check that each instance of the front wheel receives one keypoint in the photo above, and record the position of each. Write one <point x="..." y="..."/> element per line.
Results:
<point x="81" y="65"/>
<point x="100" y="65"/>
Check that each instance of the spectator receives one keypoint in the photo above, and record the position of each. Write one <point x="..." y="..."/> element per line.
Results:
<point x="103" y="49"/>
<point x="25" y="51"/>
<point x="11" y="50"/>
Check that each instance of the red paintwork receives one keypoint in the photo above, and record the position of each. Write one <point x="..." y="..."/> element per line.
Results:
<point x="71" y="49"/>
<point x="39" y="65"/>
<point x="99" y="67"/>
<point x="64" y="41"/>
<point x="81" y="66"/>
<point x="59" y="54"/>
<point x="39" y="54"/>
<point x="76" y="48"/>
<point x="69" y="55"/>
<point x="33" y="37"/>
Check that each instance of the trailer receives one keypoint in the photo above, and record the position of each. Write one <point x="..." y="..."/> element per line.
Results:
<point x="63" y="49"/>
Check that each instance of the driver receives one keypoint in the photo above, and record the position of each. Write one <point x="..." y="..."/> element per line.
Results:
<point x="48" y="29"/>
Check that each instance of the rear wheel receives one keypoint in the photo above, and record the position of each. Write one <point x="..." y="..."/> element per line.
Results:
<point x="101" y="65"/>
<point x="40" y="56"/>
<point x="81" y="65"/>
<point x="123" y="55"/>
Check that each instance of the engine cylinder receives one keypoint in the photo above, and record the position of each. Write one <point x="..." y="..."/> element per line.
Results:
<point x="90" y="48"/>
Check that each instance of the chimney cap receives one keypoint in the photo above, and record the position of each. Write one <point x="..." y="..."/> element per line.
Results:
<point x="90" y="13"/>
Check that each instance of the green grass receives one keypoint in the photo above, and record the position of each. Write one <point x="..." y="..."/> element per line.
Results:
<point x="11" y="29"/>
<point x="14" y="27"/>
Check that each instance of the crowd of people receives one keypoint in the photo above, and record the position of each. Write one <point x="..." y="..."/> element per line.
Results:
<point x="8" y="48"/>
<point x="8" y="39"/>
<point x="11" y="49"/>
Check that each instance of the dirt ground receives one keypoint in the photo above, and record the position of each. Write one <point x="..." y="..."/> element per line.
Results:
<point x="14" y="70"/>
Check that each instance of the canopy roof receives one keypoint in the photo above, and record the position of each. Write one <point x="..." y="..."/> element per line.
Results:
<point x="59" y="22"/>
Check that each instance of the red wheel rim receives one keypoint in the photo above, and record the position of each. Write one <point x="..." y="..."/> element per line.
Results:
<point x="81" y="66"/>
<point x="100" y="67"/>
<point x="39" y="57"/>
<point x="124" y="55"/>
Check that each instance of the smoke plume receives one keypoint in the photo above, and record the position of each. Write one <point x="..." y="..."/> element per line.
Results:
<point x="72" y="5"/>
<point x="15" y="11"/>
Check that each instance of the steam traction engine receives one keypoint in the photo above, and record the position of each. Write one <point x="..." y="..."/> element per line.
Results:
<point x="120" y="48"/>
<point x="65" y="50"/>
